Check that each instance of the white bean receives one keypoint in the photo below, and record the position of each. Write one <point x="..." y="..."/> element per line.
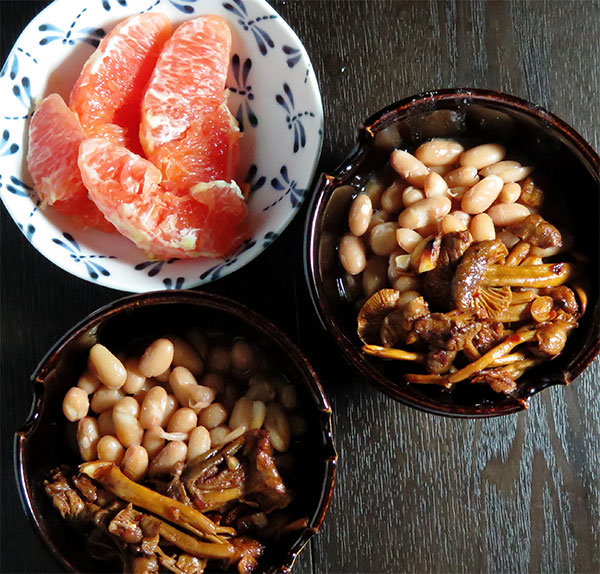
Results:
<point x="261" y="390"/>
<point x="199" y="443"/>
<point x="462" y="177"/>
<point x="218" y="435"/>
<point x="462" y="216"/>
<point x="435" y="185"/>
<point x="110" y="449"/>
<point x="407" y="283"/>
<point x="153" y="407"/>
<point x="451" y="223"/>
<point x="89" y="382"/>
<point x="481" y="195"/>
<point x="127" y="426"/>
<point x="135" y="380"/>
<point x="184" y="420"/>
<point x="482" y="227"/>
<point x="171" y="406"/>
<point x="164" y="462"/>
<point x="244" y="358"/>
<point x="105" y="423"/>
<point x="508" y="171"/>
<point x="508" y="238"/>
<point x="135" y="463"/>
<point x="241" y="415"/>
<point x="153" y="441"/>
<point x="219" y="358"/>
<point x="504" y="214"/>
<point x="76" y="404"/>
<point x="391" y="200"/>
<point x="157" y="358"/>
<point x="510" y="193"/>
<point x="483" y="155"/>
<point x="374" y="276"/>
<point x="214" y="415"/>
<point x="411" y="195"/>
<point x="424" y="212"/>
<point x="88" y="436"/>
<point x="107" y="367"/>
<point x="383" y="238"/>
<point x="276" y="422"/>
<point x="352" y="254"/>
<point x="409" y="167"/>
<point x="408" y="239"/>
<point x="184" y="355"/>
<point x="439" y="152"/>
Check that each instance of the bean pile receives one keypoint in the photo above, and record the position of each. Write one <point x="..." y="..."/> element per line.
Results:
<point x="442" y="188"/>
<point x="176" y="401"/>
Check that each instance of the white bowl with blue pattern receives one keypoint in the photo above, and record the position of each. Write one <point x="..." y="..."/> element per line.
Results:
<point x="273" y="94"/>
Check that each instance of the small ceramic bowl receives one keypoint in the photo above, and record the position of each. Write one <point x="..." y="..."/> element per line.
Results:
<point x="273" y="93"/>
<point x="571" y="167"/>
<point x="40" y="445"/>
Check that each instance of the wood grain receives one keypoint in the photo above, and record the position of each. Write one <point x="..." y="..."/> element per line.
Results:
<point x="415" y="492"/>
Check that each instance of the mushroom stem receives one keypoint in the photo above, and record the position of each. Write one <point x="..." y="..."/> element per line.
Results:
<point x="492" y="355"/>
<point x="111" y="478"/>
<point x="546" y="275"/>
<point x="518" y="253"/>
<point x="441" y="380"/>
<point x="519" y="312"/>
<point x="523" y="296"/>
<point x="508" y="359"/>
<point x="389" y="353"/>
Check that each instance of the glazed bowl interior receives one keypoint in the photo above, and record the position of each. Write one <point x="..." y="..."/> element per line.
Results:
<point x="42" y="444"/>
<point x="566" y="167"/>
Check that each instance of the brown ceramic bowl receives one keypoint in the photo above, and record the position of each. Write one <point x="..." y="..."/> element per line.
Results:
<point x="571" y="170"/>
<point x="40" y="445"/>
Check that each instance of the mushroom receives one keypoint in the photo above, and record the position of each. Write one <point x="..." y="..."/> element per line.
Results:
<point x="537" y="231"/>
<point x="373" y="312"/>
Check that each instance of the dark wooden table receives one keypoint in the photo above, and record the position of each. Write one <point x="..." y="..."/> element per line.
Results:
<point x="415" y="492"/>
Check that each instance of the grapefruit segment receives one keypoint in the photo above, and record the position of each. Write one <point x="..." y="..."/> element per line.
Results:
<point x="54" y="138"/>
<point x="186" y="129"/>
<point x="107" y="95"/>
<point x="156" y="216"/>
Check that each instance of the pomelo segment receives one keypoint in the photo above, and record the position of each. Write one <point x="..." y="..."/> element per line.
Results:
<point x="54" y="138"/>
<point x="186" y="129"/>
<point x="158" y="218"/>
<point x="107" y="95"/>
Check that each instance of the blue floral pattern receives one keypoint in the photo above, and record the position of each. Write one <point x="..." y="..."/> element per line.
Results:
<point x="272" y="93"/>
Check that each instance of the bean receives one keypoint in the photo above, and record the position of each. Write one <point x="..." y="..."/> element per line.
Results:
<point x="219" y="358"/>
<point x="383" y="238"/>
<point x="408" y="239"/>
<point x="76" y="404"/>
<point x="431" y="229"/>
<point x="183" y="420"/>
<point x="88" y="436"/>
<point x="198" y="340"/>
<point x="89" y="382"/>
<point x="261" y="390"/>
<point x="352" y="254"/>
<point x="508" y="171"/>
<point x="184" y="355"/>
<point x="199" y="443"/>
<point x="163" y="377"/>
<point x="213" y="416"/>
<point x="504" y="214"/>
<point x="153" y="408"/>
<point x="451" y="223"/>
<point x="411" y="195"/>
<point x="456" y="192"/>
<point x="435" y="185"/>
<point x="107" y="367"/>
<point x="127" y="426"/>
<point x="360" y="213"/>
<point x="153" y="441"/>
<point x="105" y="423"/>
<point x="182" y="382"/>
<point x="407" y="283"/>
<point x="374" y="190"/>
<point x="218" y="434"/>
<point x="379" y="216"/>
<point x="235" y="433"/>
<point x="200" y="397"/>
<point x="510" y="193"/>
<point x="462" y="177"/>
<point x="374" y="276"/>
<point x="509" y="239"/>
<point x="213" y="381"/>
<point x="244" y="358"/>
<point x="424" y="212"/>
<point x="406" y="298"/>
<point x="229" y="396"/>
<point x="482" y="155"/>
<point x="110" y="449"/>
<point x="171" y="406"/>
<point x="482" y="227"/>
<point x="157" y="358"/>
<point x="391" y="200"/>
<point x="135" y="380"/>
<point x="135" y="463"/>
<point x="241" y="415"/>
<point x="164" y="462"/>
<point x="288" y="397"/>
<point x="233" y="464"/>
<point x="439" y="152"/>
<point x="409" y="167"/>
<point x="481" y="195"/>
<point x="276" y="422"/>
<point x="259" y="411"/>
<point x="464" y="217"/>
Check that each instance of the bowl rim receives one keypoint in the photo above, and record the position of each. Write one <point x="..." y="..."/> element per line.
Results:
<point x="188" y="275"/>
<point x="328" y="181"/>
<point x="203" y="299"/>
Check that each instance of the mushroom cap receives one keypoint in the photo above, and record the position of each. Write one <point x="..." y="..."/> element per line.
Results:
<point x="373" y="313"/>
